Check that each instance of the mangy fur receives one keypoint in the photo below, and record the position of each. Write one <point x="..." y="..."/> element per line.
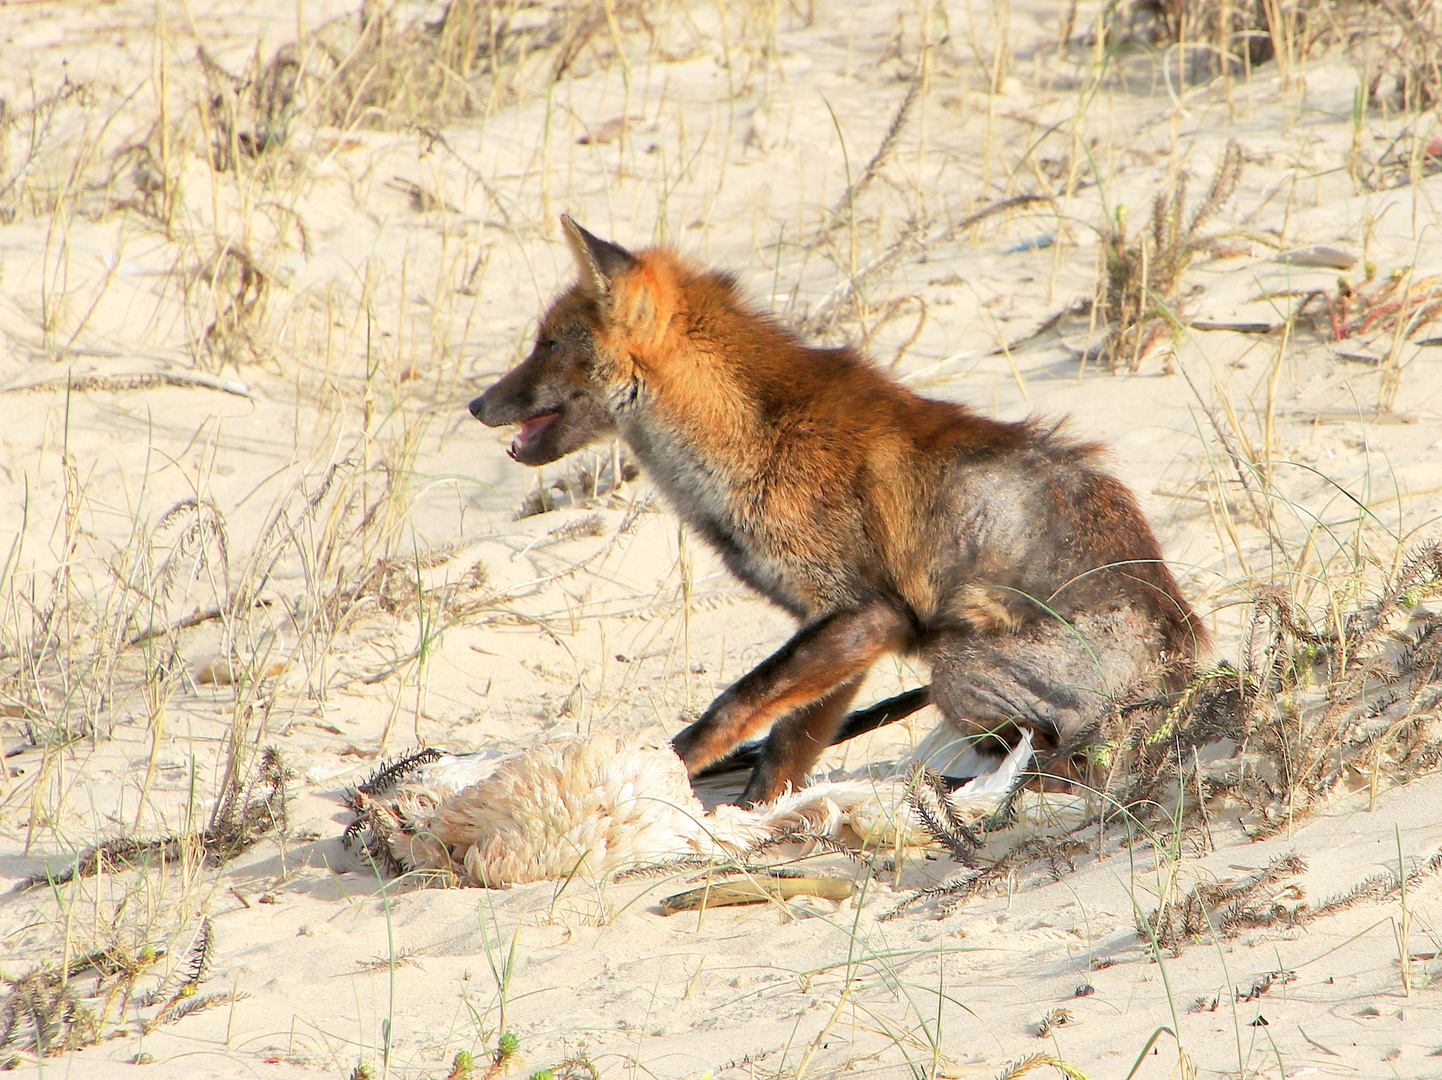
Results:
<point x="884" y="521"/>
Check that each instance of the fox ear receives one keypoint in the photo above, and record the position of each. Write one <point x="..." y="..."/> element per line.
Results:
<point x="600" y="261"/>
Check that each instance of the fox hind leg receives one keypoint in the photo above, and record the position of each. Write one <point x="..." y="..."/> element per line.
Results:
<point x="1053" y="677"/>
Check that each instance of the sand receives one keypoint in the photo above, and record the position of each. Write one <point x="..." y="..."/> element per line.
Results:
<point x="310" y="459"/>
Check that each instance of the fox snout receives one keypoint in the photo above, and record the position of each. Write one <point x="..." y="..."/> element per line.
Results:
<point x="557" y="412"/>
<point x="494" y="409"/>
<point x="518" y="399"/>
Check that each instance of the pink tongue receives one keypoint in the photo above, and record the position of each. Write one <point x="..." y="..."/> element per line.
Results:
<point x="535" y="424"/>
<point x="532" y="427"/>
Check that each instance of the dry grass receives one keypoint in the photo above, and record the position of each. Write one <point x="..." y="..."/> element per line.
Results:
<point x="1270" y="898"/>
<point x="1396" y="44"/>
<point x="1140" y="296"/>
<point x="49" y="1012"/>
<point x="238" y="822"/>
<point x="1399" y="45"/>
<point x="368" y="69"/>
<point x="1321" y="701"/>
<point x="1234" y="38"/>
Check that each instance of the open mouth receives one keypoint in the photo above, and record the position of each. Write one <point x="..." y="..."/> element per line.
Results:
<point x="529" y="433"/>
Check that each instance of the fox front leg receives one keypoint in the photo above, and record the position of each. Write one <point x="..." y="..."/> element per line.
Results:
<point x="823" y="656"/>
<point x="795" y="742"/>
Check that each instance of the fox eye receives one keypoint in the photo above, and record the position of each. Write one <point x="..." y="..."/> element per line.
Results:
<point x="548" y="345"/>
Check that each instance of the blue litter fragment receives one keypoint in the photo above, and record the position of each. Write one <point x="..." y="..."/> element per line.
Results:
<point x="1046" y="240"/>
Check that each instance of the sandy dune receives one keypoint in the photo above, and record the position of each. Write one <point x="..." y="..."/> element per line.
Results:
<point x="242" y="505"/>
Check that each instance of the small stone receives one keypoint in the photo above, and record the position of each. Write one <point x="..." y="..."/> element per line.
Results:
<point x="1318" y="257"/>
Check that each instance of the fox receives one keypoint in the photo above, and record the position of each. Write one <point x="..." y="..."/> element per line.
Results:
<point x="1000" y="554"/>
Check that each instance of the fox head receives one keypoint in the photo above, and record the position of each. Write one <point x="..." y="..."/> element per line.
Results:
<point x="589" y="348"/>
